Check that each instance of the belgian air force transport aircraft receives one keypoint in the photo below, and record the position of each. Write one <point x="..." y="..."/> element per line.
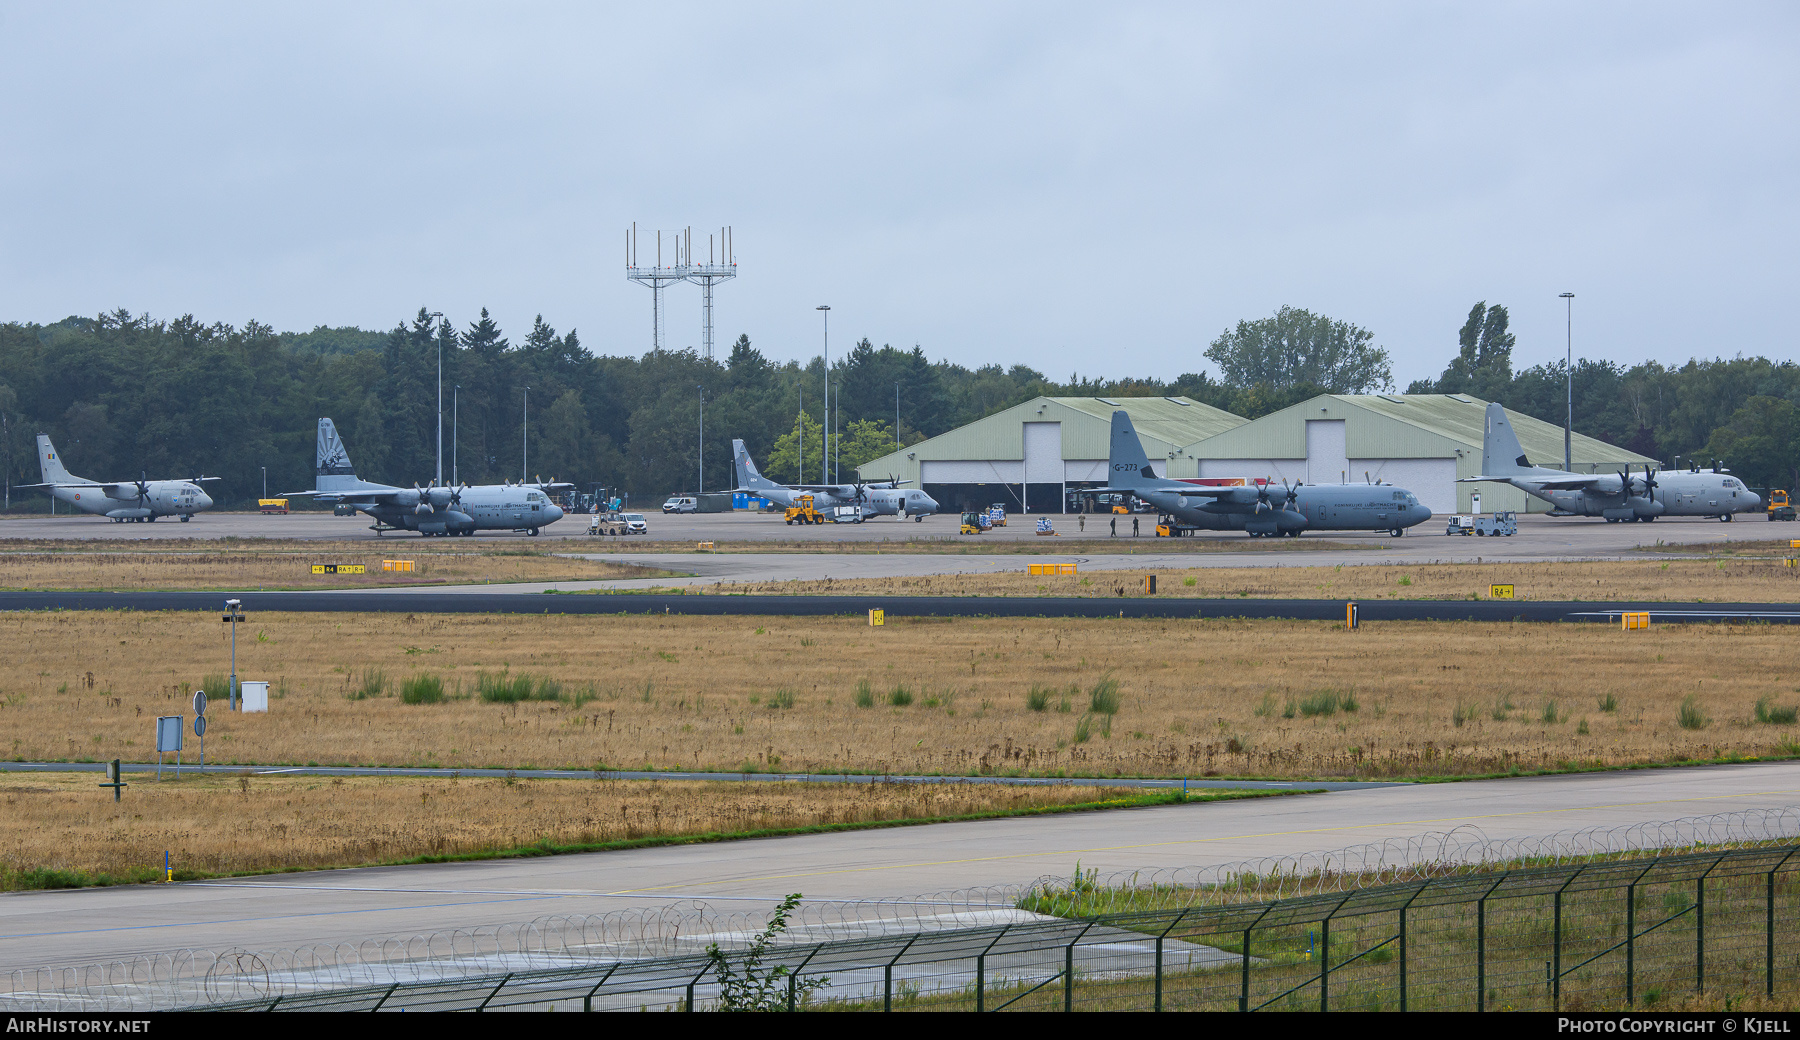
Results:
<point x="139" y="501"/>
<point x="879" y="498"/>
<point x="432" y="510"/>
<point x="1615" y="496"/>
<point x="1263" y="510"/>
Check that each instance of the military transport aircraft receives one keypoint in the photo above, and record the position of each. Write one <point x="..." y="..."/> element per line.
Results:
<point x="139" y="501"/>
<point x="1615" y="496"/>
<point x="1259" y="510"/>
<point x="429" y="510"/>
<point x="880" y="498"/>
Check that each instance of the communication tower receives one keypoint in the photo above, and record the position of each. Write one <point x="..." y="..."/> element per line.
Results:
<point x="708" y="275"/>
<point x="655" y="277"/>
<point x="720" y="266"/>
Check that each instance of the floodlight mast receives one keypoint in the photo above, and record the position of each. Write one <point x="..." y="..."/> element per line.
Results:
<point x="1569" y="372"/>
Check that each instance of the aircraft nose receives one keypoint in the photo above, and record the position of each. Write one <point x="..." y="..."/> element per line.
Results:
<point x="553" y="514"/>
<point x="931" y="505"/>
<point x="1755" y="501"/>
<point x="205" y="500"/>
<point x="1419" y="514"/>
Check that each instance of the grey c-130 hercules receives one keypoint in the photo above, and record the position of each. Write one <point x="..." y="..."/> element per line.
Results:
<point x="1260" y="510"/>
<point x="1615" y="496"/>
<point x="430" y="510"/>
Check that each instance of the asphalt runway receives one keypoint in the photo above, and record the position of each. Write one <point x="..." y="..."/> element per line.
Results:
<point x="436" y="602"/>
<point x="288" y="910"/>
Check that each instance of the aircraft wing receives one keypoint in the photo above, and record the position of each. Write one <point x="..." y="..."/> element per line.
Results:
<point x="1568" y="482"/>
<point x="339" y="496"/>
<point x="115" y="490"/>
<point x="1191" y="490"/>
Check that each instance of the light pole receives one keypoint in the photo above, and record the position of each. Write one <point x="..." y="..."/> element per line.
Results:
<point x="800" y="439"/>
<point x="455" y="400"/>
<point x="700" y="479"/>
<point x="825" y="437"/>
<point x="265" y="470"/>
<point x="440" y="408"/>
<point x="897" y="444"/>
<point x="1569" y="371"/>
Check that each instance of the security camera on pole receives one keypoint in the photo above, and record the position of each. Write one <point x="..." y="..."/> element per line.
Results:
<point x="233" y="613"/>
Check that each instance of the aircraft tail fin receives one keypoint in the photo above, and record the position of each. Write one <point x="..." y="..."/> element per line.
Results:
<point x="334" y="470"/>
<point x="51" y="463"/>
<point x="1126" y="458"/>
<point x="1501" y="453"/>
<point x="748" y="478"/>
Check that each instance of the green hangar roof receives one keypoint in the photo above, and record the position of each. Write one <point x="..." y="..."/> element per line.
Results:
<point x="1163" y="424"/>
<point x="1405" y="426"/>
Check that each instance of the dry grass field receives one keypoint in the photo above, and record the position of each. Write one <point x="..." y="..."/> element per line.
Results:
<point x="82" y="566"/>
<point x="228" y="822"/>
<point x="1095" y="697"/>
<point x="1716" y="581"/>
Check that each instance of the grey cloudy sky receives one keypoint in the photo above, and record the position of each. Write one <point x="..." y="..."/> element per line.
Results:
<point x="1095" y="188"/>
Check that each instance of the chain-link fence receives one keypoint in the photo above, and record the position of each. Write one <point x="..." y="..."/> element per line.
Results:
<point x="1610" y="931"/>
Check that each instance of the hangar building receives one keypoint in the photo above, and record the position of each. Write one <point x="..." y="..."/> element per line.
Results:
<point x="1422" y="442"/>
<point x="1031" y="455"/>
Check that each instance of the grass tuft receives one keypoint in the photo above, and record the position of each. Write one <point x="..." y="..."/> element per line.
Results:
<point x="422" y="689"/>
<point x="865" y="694"/>
<point x="1103" y="699"/>
<point x="1038" y="698"/>
<point x="900" y="697"/>
<point x="1691" y="717"/>
<point x="1767" y="711"/>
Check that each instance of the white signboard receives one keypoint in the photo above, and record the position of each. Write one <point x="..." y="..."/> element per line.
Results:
<point x="168" y="733"/>
<point x="253" y="696"/>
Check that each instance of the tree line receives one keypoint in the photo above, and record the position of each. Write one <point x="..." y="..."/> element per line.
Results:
<point x="124" y="394"/>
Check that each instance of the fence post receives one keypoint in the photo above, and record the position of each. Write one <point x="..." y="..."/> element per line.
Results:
<point x="1769" y="934"/>
<point x="1556" y="957"/>
<point x="1159" y="944"/>
<point x="1631" y="943"/>
<point x="887" y="988"/>
<point x="1700" y="934"/>
<point x="793" y="980"/>
<point x="1244" y="992"/>
<point x="1481" y="954"/>
<point x="496" y="991"/>
<point x="1403" y="958"/>
<point x="1325" y="963"/>
<point x="1069" y="978"/>
<point x="980" y="982"/>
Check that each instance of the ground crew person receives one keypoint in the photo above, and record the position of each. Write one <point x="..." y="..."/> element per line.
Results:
<point x="1114" y="524"/>
<point x="1134" y="529"/>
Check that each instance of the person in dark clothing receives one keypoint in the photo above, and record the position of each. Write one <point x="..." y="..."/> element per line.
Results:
<point x="1134" y="528"/>
<point x="1114" y="524"/>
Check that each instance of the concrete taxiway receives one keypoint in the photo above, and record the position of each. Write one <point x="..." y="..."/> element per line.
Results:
<point x="287" y="910"/>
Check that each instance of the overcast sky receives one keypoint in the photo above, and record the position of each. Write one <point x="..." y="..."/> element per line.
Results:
<point x="1092" y="188"/>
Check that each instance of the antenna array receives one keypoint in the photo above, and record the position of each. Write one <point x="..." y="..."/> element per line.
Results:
<point x="720" y="266"/>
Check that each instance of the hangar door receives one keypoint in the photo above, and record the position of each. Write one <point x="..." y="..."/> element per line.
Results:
<point x="1043" y="467"/>
<point x="1327" y="458"/>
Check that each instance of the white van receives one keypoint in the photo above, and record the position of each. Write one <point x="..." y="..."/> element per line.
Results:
<point x="682" y="504"/>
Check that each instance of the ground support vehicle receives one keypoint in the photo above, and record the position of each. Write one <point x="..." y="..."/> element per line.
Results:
<point x="682" y="504"/>
<point x="847" y="515"/>
<point x="612" y="524"/>
<point x="1780" y="507"/>
<point x="280" y="505"/>
<point x="1168" y="527"/>
<point x="1501" y="523"/>
<point x="802" y="512"/>
<point x="974" y="522"/>
<point x="1460" y="523"/>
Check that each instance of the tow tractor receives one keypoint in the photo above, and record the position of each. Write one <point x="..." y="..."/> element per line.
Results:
<point x="802" y="512"/>
<point x="1168" y="527"/>
<point x="1780" y="508"/>
<point x="1502" y="523"/>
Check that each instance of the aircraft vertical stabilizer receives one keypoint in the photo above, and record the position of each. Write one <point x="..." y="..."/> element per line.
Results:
<point x="334" y="470"/>
<point x="1126" y="456"/>
<point x="51" y="463"/>
<point x="748" y="479"/>
<point x="1501" y="453"/>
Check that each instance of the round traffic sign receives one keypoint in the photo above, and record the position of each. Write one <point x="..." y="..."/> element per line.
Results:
<point x="199" y="725"/>
<point x="199" y="702"/>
